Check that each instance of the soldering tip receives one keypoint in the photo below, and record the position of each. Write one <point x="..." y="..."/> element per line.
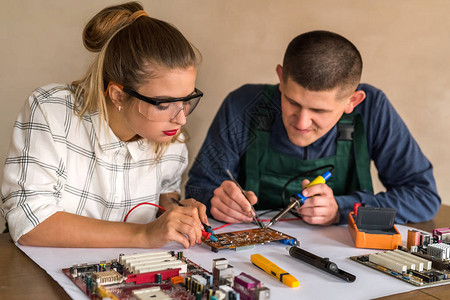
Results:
<point x="268" y="225"/>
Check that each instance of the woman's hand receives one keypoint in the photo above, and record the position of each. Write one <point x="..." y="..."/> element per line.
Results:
<point x="180" y="224"/>
<point x="200" y="207"/>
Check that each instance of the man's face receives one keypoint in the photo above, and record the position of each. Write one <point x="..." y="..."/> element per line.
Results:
<point x="309" y="115"/>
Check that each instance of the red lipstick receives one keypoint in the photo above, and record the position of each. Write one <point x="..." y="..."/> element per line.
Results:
<point x="170" y="132"/>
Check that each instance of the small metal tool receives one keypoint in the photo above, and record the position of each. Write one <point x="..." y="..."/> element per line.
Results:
<point x="294" y="203"/>
<point x="255" y="216"/>
<point x="298" y="200"/>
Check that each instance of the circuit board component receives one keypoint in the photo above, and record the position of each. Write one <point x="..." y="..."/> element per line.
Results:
<point x="107" y="277"/>
<point x="425" y="261"/>
<point x="239" y="240"/>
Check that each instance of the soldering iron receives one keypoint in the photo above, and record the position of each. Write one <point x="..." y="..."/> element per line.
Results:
<point x="322" y="263"/>
<point x="297" y="200"/>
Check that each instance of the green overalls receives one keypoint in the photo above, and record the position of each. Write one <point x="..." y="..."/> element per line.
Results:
<point x="267" y="170"/>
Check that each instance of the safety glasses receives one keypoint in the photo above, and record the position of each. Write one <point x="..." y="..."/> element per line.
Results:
<point x="164" y="109"/>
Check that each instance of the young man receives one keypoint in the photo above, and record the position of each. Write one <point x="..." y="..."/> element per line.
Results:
<point x="319" y="117"/>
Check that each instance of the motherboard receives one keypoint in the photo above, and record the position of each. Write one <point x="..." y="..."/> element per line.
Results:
<point x="163" y="275"/>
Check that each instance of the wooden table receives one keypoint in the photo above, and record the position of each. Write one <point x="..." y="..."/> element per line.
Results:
<point x="21" y="278"/>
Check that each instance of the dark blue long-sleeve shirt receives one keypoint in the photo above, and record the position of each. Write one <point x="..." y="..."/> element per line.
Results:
<point x="402" y="167"/>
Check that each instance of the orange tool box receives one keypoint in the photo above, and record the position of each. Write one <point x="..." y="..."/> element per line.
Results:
<point x="373" y="227"/>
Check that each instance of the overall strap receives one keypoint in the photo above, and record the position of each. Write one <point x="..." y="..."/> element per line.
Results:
<point x="344" y="171"/>
<point x="351" y="132"/>
<point x="362" y="156"/>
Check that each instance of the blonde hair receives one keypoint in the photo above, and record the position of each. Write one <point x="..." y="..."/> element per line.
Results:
<point x="129" y="43"/>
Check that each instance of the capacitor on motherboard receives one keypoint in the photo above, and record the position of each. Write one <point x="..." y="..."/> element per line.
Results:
<point x="413" y="238"/>
<point x="187" y="283"/>
<point x="89" y="283"/>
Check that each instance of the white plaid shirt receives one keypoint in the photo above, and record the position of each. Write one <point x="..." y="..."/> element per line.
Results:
<point x="59" y="162"/>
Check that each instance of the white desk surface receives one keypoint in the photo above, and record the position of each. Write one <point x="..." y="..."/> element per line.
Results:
<point x="333" y="242"/>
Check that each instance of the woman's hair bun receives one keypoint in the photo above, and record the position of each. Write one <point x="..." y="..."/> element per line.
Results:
<point x="106" y="23"/>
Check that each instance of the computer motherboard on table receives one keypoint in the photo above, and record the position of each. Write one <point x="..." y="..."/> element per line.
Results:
<point x="425" y="260"/>
<point x="163" y="275"/>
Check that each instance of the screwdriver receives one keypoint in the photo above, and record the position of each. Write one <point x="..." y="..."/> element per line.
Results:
<point x="298" y="199"/>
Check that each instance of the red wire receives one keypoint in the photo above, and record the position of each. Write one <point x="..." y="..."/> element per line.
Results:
<point x="220" y="227"/>
<point x="217" y="228"/>
<point x="125" y="219"/>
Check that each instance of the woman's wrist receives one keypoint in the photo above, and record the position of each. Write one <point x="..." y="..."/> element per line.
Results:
<point x="140" y="236"/>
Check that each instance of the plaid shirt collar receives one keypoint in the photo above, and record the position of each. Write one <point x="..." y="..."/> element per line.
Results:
<point x="109" y="142"/>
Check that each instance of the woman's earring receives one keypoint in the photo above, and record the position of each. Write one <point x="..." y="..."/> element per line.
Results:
<point x="119" y="108"/>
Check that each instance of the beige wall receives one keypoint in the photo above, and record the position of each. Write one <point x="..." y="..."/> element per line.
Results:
<point x="405" y="46"/>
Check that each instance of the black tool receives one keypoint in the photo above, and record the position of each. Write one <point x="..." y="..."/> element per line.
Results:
<point x="322" y="263"/>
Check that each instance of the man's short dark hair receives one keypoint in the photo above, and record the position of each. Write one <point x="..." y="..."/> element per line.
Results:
<point x="322" y="60"/>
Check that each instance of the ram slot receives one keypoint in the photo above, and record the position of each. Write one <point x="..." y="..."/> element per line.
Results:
<point x="418" y="265"/>
<point x="127" y="260"/>
<point x="387" y="262"/>
<point x="427" y="264"/>
<point x="162" y="266"/>
<point x="399" y="260"/>
<point x="149" y="260"/>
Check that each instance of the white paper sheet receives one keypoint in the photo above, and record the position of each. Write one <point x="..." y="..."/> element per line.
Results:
<point x="333" y="242"/>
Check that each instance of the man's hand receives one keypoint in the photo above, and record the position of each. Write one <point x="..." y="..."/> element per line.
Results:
<point x="321" y="207"/>
<point x="229" y="204"/>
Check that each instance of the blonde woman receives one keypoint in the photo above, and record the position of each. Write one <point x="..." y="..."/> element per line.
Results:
<point x="84" y="157"/>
